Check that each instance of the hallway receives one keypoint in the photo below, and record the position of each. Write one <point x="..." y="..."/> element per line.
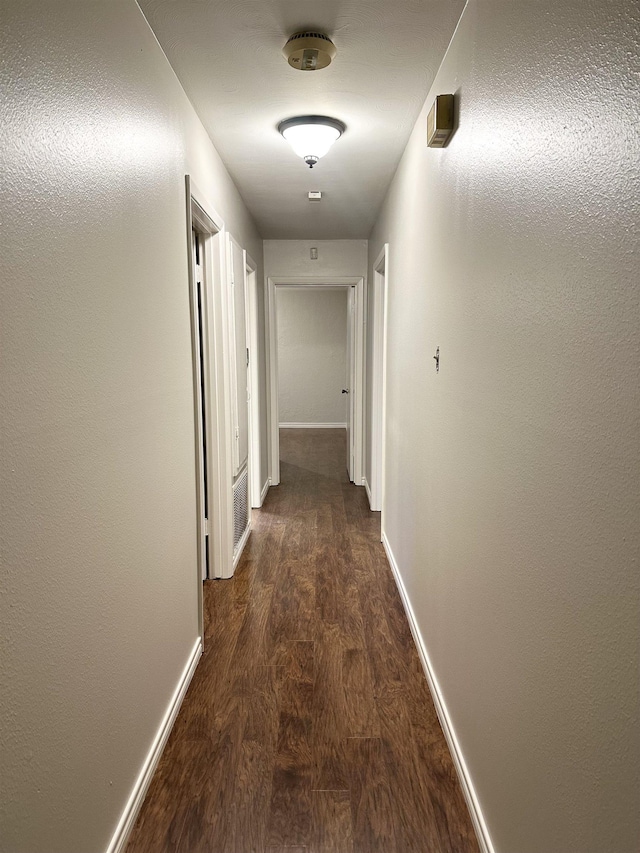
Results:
<point x="308" y="725"/>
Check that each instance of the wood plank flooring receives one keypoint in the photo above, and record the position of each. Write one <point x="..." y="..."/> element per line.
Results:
<point x="308" y="726"/>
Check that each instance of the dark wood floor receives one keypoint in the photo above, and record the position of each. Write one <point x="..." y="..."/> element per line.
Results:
<point x="308" y="726"/>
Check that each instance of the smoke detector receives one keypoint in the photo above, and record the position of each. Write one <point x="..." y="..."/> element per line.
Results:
<point x="309" y="51"/>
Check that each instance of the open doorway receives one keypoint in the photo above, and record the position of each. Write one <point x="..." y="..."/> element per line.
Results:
<point x="201" y="385"/>
<point x="205" y="232"/>
<point x="350" y="389"/>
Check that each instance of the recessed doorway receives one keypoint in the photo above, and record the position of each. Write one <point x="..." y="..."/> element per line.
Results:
<point x="353" y="385"/>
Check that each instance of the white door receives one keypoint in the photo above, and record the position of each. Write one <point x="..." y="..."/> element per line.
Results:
<point x="198" y="321"/>
<point x="349" y="389"/>
<point x="253" y="384"/>
<point x="239" y="357"/>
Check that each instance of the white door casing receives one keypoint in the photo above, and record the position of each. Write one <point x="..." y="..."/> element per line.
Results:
<point x="356" y="396"/>
<point x="238" y="352"/>
<point x="202" y="217"/>
<point x="379" y="379"/>
<point x="253" y="383"/>
<point x="350" y="380"/>
<point x="201" y="385"/>
<point x="239" y="388"/>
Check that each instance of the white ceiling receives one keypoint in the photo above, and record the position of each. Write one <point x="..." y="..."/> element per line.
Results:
<point x="228" y="57"/>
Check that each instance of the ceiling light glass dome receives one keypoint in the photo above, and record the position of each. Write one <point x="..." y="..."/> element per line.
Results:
<point x="311" y="136"/>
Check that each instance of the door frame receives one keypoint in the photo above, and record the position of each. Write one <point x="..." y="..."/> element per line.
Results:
<point x="273" y="282"/>
<point x="237" y="465"/>
<point x="253" y="343"/>
<point x="200" y="380"/>
<point x="351" y="381"/>
<point x="202" y="216"/>
<point x="379" y="380"/>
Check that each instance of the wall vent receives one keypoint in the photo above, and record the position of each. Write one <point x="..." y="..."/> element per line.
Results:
<point x="309" y="35"/>
<point x="240" y="508"/>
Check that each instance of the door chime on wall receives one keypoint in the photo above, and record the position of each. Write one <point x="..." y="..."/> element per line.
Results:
<point x="310" y="136"/>
<point x="440" y="121"/>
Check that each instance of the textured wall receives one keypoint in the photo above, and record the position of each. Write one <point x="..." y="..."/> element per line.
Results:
<point x="335" y="258"/>
<point x="312" y="355"/>
<point x="98" y="607"/>
<point x="512" y="476"/>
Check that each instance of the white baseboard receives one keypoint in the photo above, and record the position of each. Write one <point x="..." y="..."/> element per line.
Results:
<point x="241" y="544"/>
<point x="365" y="483"/>
<point x="312" y="426"/>
<point x="130" y="813"/>
<point x="264" y="491"/>
<point x="479" y="824"/>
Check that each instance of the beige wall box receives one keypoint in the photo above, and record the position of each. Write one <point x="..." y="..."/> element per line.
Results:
<point x="440" y="121"/>
<point x="308" y="51"/>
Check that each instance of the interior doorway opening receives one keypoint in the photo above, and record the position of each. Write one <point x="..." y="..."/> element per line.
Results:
<point x="201" y="393"/>
<point x="314" y="359"/>
<point x="205" y="234"/>
<point x="253" y="382"/>
<point x="352" y="388"/>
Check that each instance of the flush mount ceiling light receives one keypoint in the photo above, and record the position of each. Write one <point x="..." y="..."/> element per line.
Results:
<point x="311" y="136"/>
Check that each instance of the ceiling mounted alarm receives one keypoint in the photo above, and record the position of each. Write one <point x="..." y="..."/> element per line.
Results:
<point x="308" y="51"/>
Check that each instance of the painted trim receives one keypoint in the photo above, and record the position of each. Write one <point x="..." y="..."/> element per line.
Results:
<point x="271" y="330"/>
<point x="253" y="379"/>
<point x="312" y="426"/>
<point x="238" y="397"/>
<point x="199" y="349"/>
<point x="217" y="377"/>
<point x="479" y="824"/>
<point x="327" y="282"/>
<point x="367" y="488"/>
<point x="241" y="544"/>
<point x="265" y="489"/>
<point x="125" y="825"/>
<point x="378" y="330"/>
<point x="202" y="216"/>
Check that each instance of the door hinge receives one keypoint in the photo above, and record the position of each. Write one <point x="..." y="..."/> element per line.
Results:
<point x="206" y="527"/>
<point x="199" y="273"/>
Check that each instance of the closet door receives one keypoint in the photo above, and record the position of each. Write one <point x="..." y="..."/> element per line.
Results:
<point x="239" y="356"/>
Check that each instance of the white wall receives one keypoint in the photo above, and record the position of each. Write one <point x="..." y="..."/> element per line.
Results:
<point x="512" y="503"/>
<point x="335" y="258"/>
<point x="312" y="355"/>
<point x="98" y="605"/>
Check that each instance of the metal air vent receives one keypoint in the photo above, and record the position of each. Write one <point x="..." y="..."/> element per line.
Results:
<point x="240" y="508"/>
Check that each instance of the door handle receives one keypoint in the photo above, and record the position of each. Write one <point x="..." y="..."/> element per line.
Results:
<point x="345" y="390"/>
